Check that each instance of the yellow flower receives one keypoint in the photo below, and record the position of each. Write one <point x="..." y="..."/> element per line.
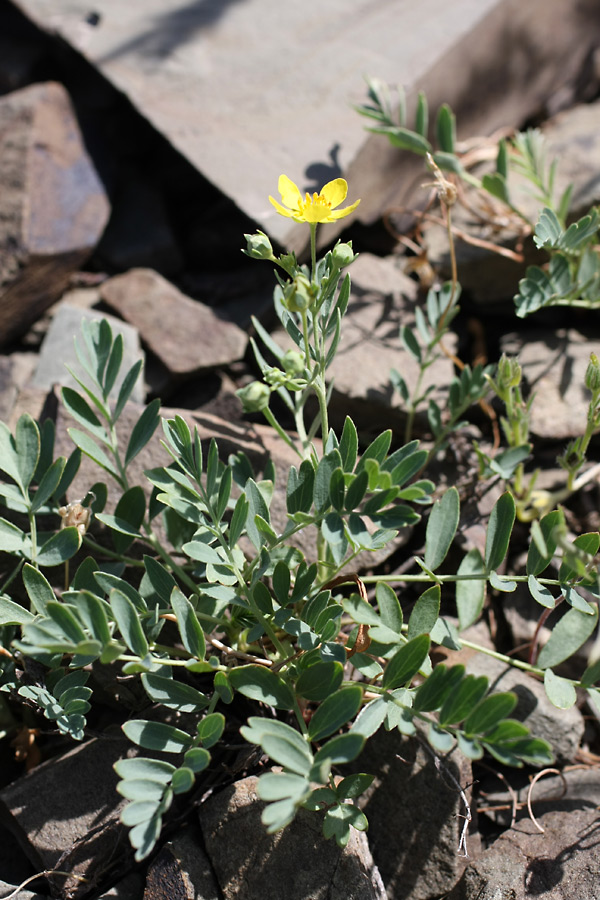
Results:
<point x="315" y="209"/>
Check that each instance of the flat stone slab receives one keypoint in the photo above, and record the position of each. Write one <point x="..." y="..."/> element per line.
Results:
<point x="246" y="91"/>
<point x="187" y="336"/>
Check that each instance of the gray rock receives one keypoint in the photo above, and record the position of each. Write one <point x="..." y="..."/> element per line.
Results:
<point x="285" y="105"/>
<point x="15" y="372"/>
<point x="415" y="816"/>
<point x="185" y="335"/>
<point x="294" y="864"/>
<point x="182" y="871"/>
<point x="560" y="864"/>
<point x="58" y="349"/>
<point x="129" y="888"/>
<point x="553" y="366"/>
<point x="577" y="787"/>
<point x="54" y="206"/>
<point x="67" y="810"/>
<point x="23" y="894"/>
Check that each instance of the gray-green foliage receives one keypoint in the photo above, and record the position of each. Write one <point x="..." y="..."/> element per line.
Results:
<point x="236" y="607"/>
<point x="571" y="276"/>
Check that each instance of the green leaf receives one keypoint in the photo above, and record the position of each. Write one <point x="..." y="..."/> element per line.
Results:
<point x="210" y="729"/>
<point x="425" y="612"/>
<point x="280" y="785"/>
<point x="356" y="490"/>
<point x="173" y="694"/>
<point x="143" y="430"/>
<point x="495" y="184"/>
<point x="499" y="530"/>
<point x="341" y="749"/>
<point x="568" y="635"/>
<point x="548" y="525"/>
<point x="60" y="547"/>
<point x="142" y="769"/>
<point x="376" y="450"/>
<point x="433" y="692"/>
<point x="259" y="683"/>
<point x="390" y="610"/>
<point x="91" y="449"/>
<point x="256" y="506"/>
<point x="349" y="445"/>
<point x="463" y="701"/>
<point x="470" y="594"/>
<point x="335" y="711"/>
<point x="320" y="680"/>
<point x="238" y="519"/>
<point x="126" y="388"/>
<point x="92" y="612"/>
<point x="411" y="343"/>
<point x="441" y="528"/>
<point x="370" y="717"/>
<point x="12" y="539"/>
<point x="287" y="752"/>
<point x="404" y="139"/>
<point x="131" y="510"/>
<point x="12" y="613"/>
<point x="66" y="621"/>
<point x="38" y="589"/>
<point x="156" y="736"/>
<point x="197" y="759"/>
<point x="190" y="629"/>
<point x="489" y="712"/>
<point x="84" y="415"/>
<point x="361" y="611"/>
<point x="422" y="115"/>
<point x="405" y="664"/>
<point x="300" y="488"/>
<point x="8" y="456"/>
<point x="560" y="692"/>
<point x="49" y="483"/>
<point x="128" y="623"/>
<point x="325" y="470"/>
<point x="27" y="446"/>
<point x="446" y="128"/>
<point x="353" y="786"/>
<point x="540" y="593"/>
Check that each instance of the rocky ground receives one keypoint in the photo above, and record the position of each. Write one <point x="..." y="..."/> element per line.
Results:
<point x="100" y="215"/>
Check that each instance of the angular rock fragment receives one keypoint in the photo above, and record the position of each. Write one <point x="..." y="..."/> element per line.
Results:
<point x="560" y="864"/>
<point x="554" y="366"/>
<point x="293" y="864"/>
<point x="182" y="871"/>
<point x="415" y="815"/>
<point x="65" y="814"/>
<point x="54" y="207"/>
<point x="185" y="335"/>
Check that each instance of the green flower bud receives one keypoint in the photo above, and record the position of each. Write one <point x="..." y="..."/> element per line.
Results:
<point x="299" y="294"/>
<point x="592" y="374"/>
<point x="254" y="396"/>
<point x="293" y="362"/>
<point x="258" y="246"/>
<point x="343" y="255"/>
<point x="509" y="372"/>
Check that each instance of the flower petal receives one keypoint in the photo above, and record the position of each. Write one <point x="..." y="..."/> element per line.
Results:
<point x="281" y="209"/>
<point x="290" y="193"/>
<point x="340" y="213"/>
<point x="335" y="191"/>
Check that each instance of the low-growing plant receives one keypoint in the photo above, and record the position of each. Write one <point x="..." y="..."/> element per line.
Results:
<point x="228" y="604"/>
<point x="571" y="276"/>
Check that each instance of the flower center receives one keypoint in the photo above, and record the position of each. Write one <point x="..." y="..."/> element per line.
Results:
<point x="315" y="208"/>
